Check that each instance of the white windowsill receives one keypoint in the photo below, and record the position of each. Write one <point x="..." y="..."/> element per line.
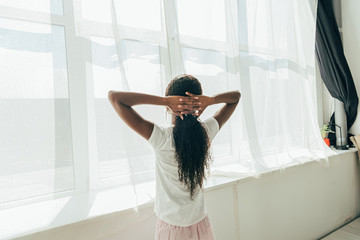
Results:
<point x="27" y="219"/>
<point x="215" y="182"/>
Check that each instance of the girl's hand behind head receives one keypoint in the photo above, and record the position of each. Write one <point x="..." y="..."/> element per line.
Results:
<point x="181" y="105"/>
<point x="202" y="102"/>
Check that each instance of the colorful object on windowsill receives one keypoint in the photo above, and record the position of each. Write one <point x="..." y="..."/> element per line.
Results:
<point x="325" y="131"/>
<point x="327" y="141"/>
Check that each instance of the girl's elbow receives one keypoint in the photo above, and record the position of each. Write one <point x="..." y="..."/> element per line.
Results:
<point x="111" y="95"/>
<point x="237" y="96"/>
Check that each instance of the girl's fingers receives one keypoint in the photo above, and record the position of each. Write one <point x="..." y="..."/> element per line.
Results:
<point x="192" y="95"/>
<point x="189" y="102"/>
<point x="188" y="98"/>
<point x="188" y="106"/>
<point x="185" y="99"/>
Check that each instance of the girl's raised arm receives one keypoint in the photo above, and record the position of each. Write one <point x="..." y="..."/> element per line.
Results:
<point x="231" y="99"/>
<point x="123" y="102"/>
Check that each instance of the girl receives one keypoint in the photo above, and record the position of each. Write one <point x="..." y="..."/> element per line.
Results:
<point x="182" y="152"/>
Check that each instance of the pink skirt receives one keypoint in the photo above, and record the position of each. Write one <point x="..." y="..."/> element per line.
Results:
<point x="199" y="231"/>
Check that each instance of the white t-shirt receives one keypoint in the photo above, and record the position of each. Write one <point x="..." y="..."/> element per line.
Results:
<point x="173" y="204"/>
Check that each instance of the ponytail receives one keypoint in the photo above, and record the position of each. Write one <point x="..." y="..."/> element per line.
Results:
<point x="191" y="139"/>
<point x="191" y="151"/>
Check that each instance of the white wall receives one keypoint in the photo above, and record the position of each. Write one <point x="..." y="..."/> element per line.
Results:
<point x="302" y="202"/>
<point x="350" y="10"/>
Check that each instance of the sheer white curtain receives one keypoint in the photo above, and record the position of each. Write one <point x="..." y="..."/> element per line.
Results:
<point x="263" y="48"/>
<point x="271" y="46"/>
<point x="268" y="53"/>
<point x="71" y="138"/>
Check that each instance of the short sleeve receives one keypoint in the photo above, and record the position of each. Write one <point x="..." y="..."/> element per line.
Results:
<point x="212" y="127"/>
<point x="157" y="137"/>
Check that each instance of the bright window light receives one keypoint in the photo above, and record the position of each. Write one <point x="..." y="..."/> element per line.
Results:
<point x="202" y="19"/>
<point x="44" y="6"/>
<point x="35" y="139"/>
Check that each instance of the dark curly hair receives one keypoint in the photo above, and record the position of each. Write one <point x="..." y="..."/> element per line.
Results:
<point x="191" y="139"/>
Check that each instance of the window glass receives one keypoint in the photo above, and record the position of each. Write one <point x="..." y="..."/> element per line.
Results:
<point x="267" y="25"/>
<point x="35" y="140"/>
<point x="44" y="6"/>
<point x="202" y="19"/>
<point x="144" y="14"/>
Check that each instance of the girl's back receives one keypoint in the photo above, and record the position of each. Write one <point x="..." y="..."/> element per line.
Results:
<point x="173" y="203"/>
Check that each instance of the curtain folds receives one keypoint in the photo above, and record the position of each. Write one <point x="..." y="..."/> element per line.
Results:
<point x="59" y="68"/>
<point x="333" y="66"/>
<point x="265" y="49"/>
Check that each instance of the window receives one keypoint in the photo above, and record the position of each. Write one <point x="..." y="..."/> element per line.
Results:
<point x="60" y="135"/>
<point x="36" y="140"/>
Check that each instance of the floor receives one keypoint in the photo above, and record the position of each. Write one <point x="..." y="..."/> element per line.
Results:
<point x="350" y="231"/>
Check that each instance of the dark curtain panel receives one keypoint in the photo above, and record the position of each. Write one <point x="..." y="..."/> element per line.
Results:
<point x="333" y="66"/>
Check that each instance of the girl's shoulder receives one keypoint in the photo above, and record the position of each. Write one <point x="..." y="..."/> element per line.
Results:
<point x="212" y="127"/>
<point x="160" y="136"/>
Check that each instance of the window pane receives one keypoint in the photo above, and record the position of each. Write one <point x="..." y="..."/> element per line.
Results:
<point x="35" y="139"/>
<point x="120" y="150"/>
<point x="278" y="102"/>
<point x="142" y="66"/>
<point x="202" y="18"/>
<point x="141" y="63"/>
<point x="105" y="67"/>
<point x="139" y="14"/>
<point x="266" y="24"/>
<point x="45" y="6"/>
<point x="254" y="27"/>
<point x="99" y="11"/>
<point x="143" y="14"/>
